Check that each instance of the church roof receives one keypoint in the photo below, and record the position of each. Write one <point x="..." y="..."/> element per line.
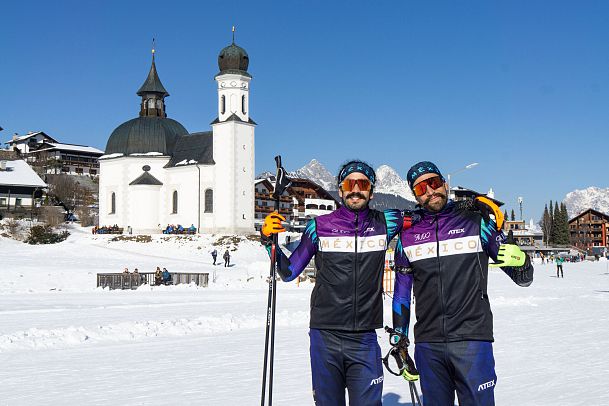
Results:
<point x="146" y="179"/>
<point x="191" y="149"/>
<point x="153" y="83"/>
<point x="145" y="134"/>
<point x="233" y="117"/>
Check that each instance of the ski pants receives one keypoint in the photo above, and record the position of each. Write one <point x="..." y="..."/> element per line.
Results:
<point x="467" y="367"/>
<point x="342" y="359"/>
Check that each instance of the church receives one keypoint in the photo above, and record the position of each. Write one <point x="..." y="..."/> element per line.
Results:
<point x="154" y="172"/>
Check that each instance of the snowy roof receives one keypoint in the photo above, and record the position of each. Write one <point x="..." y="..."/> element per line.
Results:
<point x="29" y="135"/>
<point x="73" y="148"/>
<point x="19" y="173"/>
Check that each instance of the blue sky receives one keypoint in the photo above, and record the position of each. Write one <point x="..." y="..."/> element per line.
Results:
<point x="521" y="87"/>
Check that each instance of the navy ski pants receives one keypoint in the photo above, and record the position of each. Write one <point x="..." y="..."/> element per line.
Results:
<point x="342" y="359"/>
<point x="467" y="367"/>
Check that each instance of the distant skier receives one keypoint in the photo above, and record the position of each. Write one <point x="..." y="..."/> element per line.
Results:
<point x="214" y="255"/>
<point x="226" y="257"/>
<point x="559" y="261"/>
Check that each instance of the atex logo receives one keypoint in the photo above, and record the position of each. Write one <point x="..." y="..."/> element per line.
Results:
<point x="456" y="231"/>
<point x="486" y="385"/>
<point x="376" y="381"/>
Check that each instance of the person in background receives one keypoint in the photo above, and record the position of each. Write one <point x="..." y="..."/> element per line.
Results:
<point x="559" y="262"/>
<point x="226" y="257"/>
<point x="158" y="276"/>
<point x="166" y="277"/>
<point x="214" y="255"/>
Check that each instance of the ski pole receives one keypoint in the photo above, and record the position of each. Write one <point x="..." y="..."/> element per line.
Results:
<point x="414" y="394"/>
<point x="281" y="183"/>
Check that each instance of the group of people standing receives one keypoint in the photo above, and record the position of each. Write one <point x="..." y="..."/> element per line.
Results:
<point x="226" y="257"/>
<point x="442" y="253"/>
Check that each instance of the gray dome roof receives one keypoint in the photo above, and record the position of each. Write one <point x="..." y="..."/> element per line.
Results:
<point x="145" y="134"/>
<point x="233" y="59"/>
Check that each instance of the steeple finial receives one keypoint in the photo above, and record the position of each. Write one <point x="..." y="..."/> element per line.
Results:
<point x="233" y="34"/>
<point x="153" y="46"/>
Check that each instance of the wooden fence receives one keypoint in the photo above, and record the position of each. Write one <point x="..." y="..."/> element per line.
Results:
<point x="133" y="281"/>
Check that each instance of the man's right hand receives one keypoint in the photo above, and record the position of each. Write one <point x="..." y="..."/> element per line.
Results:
<point x="272" y="224"/>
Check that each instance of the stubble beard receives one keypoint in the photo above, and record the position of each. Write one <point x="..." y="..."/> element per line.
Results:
<point x="363" y="203"/>
<point x="437" y="204"/>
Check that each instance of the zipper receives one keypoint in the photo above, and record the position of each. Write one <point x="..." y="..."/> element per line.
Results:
<point x="440" y="281"/>
<point x="355" y="275"/>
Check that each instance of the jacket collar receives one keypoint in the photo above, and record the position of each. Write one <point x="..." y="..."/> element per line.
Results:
<point x="426" y="214"/>
<point x="347" y="214"/>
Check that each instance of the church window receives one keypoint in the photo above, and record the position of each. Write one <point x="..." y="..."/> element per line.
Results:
<point x="158" y="104"/>
<point x="113" y="203"/>
<point x="151" y="103"/>
<point x="209" y="201"/>
<point x="243" y="105"/>
<point x="174" y="204"/>
<point x="222" y="104"/>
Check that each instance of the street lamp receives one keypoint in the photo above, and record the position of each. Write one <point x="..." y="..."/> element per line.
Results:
<point x="520" y="200"/>
<point x="457" y="171"/>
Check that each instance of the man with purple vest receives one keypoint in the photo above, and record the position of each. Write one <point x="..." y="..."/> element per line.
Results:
<point x="349" y="246"/>
<point x="444" y="256"/>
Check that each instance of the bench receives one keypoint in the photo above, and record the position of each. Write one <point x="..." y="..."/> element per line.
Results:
<point x="127" y="281"/>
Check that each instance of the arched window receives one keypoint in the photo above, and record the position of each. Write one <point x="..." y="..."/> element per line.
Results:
<point x="174" y="201"/>
<point x="222" y="104"/>
<point x="243" y="104"/>
<point x="113" y="203"/>
<point x="209" y="201"/>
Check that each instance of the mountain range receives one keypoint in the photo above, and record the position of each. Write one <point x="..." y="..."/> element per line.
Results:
<point x="583" y="199"/>
<point x="390" y="191"/>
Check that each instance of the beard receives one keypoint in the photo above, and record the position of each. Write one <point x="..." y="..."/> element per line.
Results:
<point x="362" y="203"/>
<point x="437" y="204"/>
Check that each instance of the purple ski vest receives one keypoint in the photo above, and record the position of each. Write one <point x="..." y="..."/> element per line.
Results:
<point x="349" y="249"/>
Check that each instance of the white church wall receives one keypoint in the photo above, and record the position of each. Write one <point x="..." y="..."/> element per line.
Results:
<point x="115" y="176"/>
<point x="234" y="149"/>
<point x="144" y="210"/>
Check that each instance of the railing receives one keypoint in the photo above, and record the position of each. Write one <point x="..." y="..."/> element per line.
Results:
<point x="133" y="280"/>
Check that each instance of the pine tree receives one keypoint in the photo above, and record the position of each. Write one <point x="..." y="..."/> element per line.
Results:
<point x="512" y="216"/>
<point x="556" y="225"/>
<point x="565" y="219"/>
<point x="546" y="225"/>
<point x="505" y="215"/>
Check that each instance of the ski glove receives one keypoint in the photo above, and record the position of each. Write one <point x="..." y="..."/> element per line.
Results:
<point x="510" y="254"/>
<point x="272" y="224"/>
<point x="487" y="207"/>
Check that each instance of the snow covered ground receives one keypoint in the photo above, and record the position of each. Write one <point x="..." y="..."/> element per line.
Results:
<point x="62" y="341"/>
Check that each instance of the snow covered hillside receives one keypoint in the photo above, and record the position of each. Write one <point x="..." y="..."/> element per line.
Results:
<point x="592" y="197"/>
<point x="62" y="341"/>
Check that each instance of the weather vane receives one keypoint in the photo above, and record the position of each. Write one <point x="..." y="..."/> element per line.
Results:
<point x="233" y="34"/>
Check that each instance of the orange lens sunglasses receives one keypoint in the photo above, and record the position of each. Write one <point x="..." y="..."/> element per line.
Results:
<point x="347" y="185"/>
<point x="421" y="188"/>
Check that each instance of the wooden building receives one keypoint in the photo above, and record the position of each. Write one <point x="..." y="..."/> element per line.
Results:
<point x="265" y="204"/>
<point x="20" y="187"/>
<point x="302" y="201"/>
<point x="49" y="156"/>
<point x="589" y="231"/>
